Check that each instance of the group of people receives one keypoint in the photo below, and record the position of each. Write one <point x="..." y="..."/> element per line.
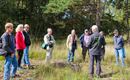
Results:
<point x="21" y="42"/>
<point x="92" y="41"/>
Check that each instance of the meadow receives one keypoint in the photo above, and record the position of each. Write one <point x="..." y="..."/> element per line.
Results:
<point x="58" y="69"/>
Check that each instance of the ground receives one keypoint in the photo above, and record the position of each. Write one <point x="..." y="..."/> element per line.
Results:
<point x="59" y="69"/>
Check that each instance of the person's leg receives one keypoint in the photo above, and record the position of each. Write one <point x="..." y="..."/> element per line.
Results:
<point x="48" y="54"/>
<point x="7" y="68"/>
<point x="51" y="49"/>
<point x="91" y="67"/>
<point x="20" y="55"/>
<point x="84" y="50"/>
<point x="72" y="55"/>
<point x="121" y="54"/>
<point x="117" y="56"/>
<point x="26" y="56"/>
<point x="69" y="55"/>
<point x="14" y="66"/>
<point x="98" y="64"/>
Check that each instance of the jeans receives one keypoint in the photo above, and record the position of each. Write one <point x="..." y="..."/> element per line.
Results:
<point x="71" y="55"/>
<point x="20" y="56"/>
<point x="26" y="56"/>
<point x="120" y="53"/>
<point x="98" y="64"/>
<point x="10" y="65"/>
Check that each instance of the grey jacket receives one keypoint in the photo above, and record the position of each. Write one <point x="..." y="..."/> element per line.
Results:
<point x="95" y="44"/>
<point x="118" y="42"/>
<point x="8" y="42"/>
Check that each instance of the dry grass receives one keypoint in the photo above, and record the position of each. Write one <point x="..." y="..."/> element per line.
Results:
<point x="49" y="72"/>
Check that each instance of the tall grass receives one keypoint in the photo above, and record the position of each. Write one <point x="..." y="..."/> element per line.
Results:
<point x="49" y="72"/>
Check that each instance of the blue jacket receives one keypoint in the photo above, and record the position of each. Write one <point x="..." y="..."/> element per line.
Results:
<point x="118" y="42"/>
<point x="81" y="38"/>
<point x="8" y="42"/>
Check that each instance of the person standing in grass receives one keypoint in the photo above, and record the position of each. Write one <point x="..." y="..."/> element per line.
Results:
<point x="49" y="41"/>
<point x="20" y="44"/>
<point x="27" y="43"/>
<point x="119" y="47"/>
<point x="71" y="44"/>
<point x="94" y="45"/>
<point x="103" y="46"/>
<point x="84" y="41"/>
<point x="8" y="41"/>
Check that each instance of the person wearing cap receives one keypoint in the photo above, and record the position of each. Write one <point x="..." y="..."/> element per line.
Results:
<point x="94" y="45"/>
<point x="84" y="40"/>
<point x="11" y="63"/>
<point x="119" y="47"/>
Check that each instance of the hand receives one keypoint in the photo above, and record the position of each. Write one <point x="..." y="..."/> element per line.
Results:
<point x="12" y="55"/>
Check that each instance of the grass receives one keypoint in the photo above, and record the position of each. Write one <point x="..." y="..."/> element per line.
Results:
<point x="50" y="72"/>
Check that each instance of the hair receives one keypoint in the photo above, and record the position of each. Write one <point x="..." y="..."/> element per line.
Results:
<point x="94" y="28"/>
<point x="48" y="29"/>
<point x="8" y="25"/>
<point x="18" y="27"/>
<point x="26" y="25"/>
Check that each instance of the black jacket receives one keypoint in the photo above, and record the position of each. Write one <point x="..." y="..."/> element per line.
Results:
<point x="27" y="38"/>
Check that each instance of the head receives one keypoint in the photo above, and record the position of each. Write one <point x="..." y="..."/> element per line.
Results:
<point x="19" y="28"/>
<point x="26" y="27"/>
<point x="73" y="32"/>
<point x="49" y="31"/>
<point x="94" y="28"/>
<point x="9" y="27"/>
<point x="86" y="32"/>
<point x="116" y="32"/>
<point x="101" y="33"/>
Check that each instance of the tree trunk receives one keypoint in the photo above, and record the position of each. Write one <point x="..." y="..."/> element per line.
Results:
<point x="98" y="13"/>
<point x="127" y="20"/>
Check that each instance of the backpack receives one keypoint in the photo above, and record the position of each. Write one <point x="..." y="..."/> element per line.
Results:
<point x="2" y="51"/>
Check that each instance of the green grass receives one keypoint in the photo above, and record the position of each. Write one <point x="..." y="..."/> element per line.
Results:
<point x="50" y="72"/>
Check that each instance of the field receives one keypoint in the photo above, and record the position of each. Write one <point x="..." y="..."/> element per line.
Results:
<point x="58" y="69"/>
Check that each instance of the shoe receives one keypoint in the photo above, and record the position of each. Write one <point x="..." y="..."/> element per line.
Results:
<point x="30" y="67"/>
<point x="16" y="75"/>
<point x="98" y="76"/>
<point x="20" y="68"/>
<point x="91" y="76"/>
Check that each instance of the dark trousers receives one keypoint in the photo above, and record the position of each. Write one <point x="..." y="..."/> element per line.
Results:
<point x="102" y="53"/>
<point x="20" y="55"/>
<point x="84" y="51"/>
<point x="98" y="64"/>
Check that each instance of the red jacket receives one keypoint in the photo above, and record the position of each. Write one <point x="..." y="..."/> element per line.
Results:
<point x="20" y="43"/>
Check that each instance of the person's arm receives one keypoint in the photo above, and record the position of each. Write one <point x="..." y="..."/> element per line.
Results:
<point x="53" y="40"/>
<point x="89" y="42"/>
<point x="122" y="41"/>
<point x="46" y="41"/>
<point x="6" y="47"/>
<point x="67" y="42"/>
<point x="81" y="37"/>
